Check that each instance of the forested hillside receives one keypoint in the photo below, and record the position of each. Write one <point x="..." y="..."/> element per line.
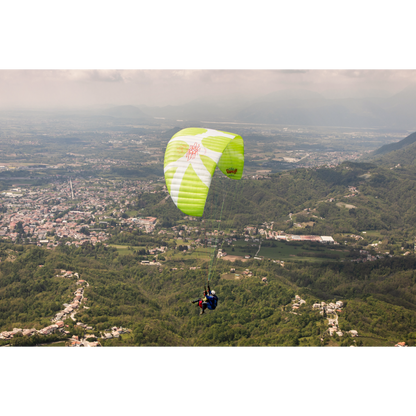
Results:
<point x="385" y="200"/>
<point x="394" y="155"/>
<point x="407" y="141"/>
<point x="380" y="299"/>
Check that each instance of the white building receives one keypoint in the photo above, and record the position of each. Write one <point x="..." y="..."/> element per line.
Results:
<point x="332" y="331"/>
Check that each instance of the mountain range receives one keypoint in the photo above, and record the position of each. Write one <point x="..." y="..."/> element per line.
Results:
<point x="290" y="107"/>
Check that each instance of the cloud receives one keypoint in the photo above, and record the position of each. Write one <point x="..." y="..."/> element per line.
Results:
<point x="95" y="75"/>
<point x="77" y="88"/>
<point x="291" y="69"/>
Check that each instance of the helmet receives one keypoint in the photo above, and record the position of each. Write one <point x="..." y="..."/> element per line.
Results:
<point x="213" y="292"/>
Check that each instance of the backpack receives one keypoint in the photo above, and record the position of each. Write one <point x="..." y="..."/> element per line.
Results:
<point x="215" y="301"/>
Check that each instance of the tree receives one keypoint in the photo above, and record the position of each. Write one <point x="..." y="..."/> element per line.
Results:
<point x="85" y="230"/>
<point x="19" y="228"/>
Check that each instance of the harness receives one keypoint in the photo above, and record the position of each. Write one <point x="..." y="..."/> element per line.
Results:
<point x="215" y="302"/>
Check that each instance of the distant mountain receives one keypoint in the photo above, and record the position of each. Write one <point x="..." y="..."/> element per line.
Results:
<point x="125" y="111"/>
<point x="290" y="107"/>
<point x="396" y="146"/>
<point x="169" y="133"/>
<point x="302" y="107"/>
<point x="291" y="94"/>
<point x="197" y="110"/>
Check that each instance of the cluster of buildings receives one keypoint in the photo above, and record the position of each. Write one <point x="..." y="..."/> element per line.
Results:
<point x="221" y="253"/>
<point x="333" y="309"/>
<point x="115" y="332"/>
<point x="70" y="309"/>
<point x="76" y="345"/>
<point x="58" y="326"/>
<point x="150" y="263"/>
<point x="43" y="215"/>
<point x="356" y="237"/>
<point x="157" y="250"/>
<point x="282" y="236"/>
<point x="146" y="224"/>
<point x="245" y="273"/>
<point x="58" y="321"/>
<point x="267" y="232"/>
<point x="400" y="344"/>
<point x="40" y="215"/>
<point x="328" y="159"/>
<point x="366" y="256"/>
<point x="259" y="177"/>
<point x="297" y="303"/>
<point x="330" y="307"/>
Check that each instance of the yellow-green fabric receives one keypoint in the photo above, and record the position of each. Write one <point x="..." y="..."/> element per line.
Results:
<point x="190" y="160"/>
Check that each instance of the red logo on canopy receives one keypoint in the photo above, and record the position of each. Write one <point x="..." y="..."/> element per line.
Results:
<point x="234" y="171"/>
<point x="193" y="151"/>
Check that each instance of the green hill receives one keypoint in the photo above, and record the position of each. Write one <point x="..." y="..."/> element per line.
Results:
<point x="385" y="200"/>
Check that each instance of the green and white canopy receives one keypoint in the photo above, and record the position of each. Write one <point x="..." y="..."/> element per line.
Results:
<point x="190" y="160"/>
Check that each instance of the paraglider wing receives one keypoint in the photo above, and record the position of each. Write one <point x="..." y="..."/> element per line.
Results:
<point x="190" y="160"/>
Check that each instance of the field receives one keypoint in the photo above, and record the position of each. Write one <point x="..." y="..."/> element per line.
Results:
<point x="289" y="251"/>
<point x="228" y="276"/>
<point x="124" y="250"/>
<point x="132" y="213"/>
<point x="373" y="234"/>
<point x="233" y="276"/>
<point x="242" y="248"/>
<point x="234" y="258"/>
<point x="345" y="205"/>
<point x="375" y="342"/>
<point x="200" y="253"/>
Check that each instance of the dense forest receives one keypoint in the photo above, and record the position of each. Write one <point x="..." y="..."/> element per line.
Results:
<point x="379" y="297"/>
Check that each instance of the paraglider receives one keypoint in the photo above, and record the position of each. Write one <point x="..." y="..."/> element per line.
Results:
<point x="191" y="157"/>
<point x="210" y="300"/>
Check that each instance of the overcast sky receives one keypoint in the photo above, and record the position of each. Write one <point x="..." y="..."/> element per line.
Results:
<point x="43" y="89"/>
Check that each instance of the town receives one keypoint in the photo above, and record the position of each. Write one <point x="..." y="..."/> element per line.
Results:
<point x="48" y="214"/>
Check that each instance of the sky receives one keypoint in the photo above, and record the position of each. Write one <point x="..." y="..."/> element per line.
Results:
<point x="60" y="89"/>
